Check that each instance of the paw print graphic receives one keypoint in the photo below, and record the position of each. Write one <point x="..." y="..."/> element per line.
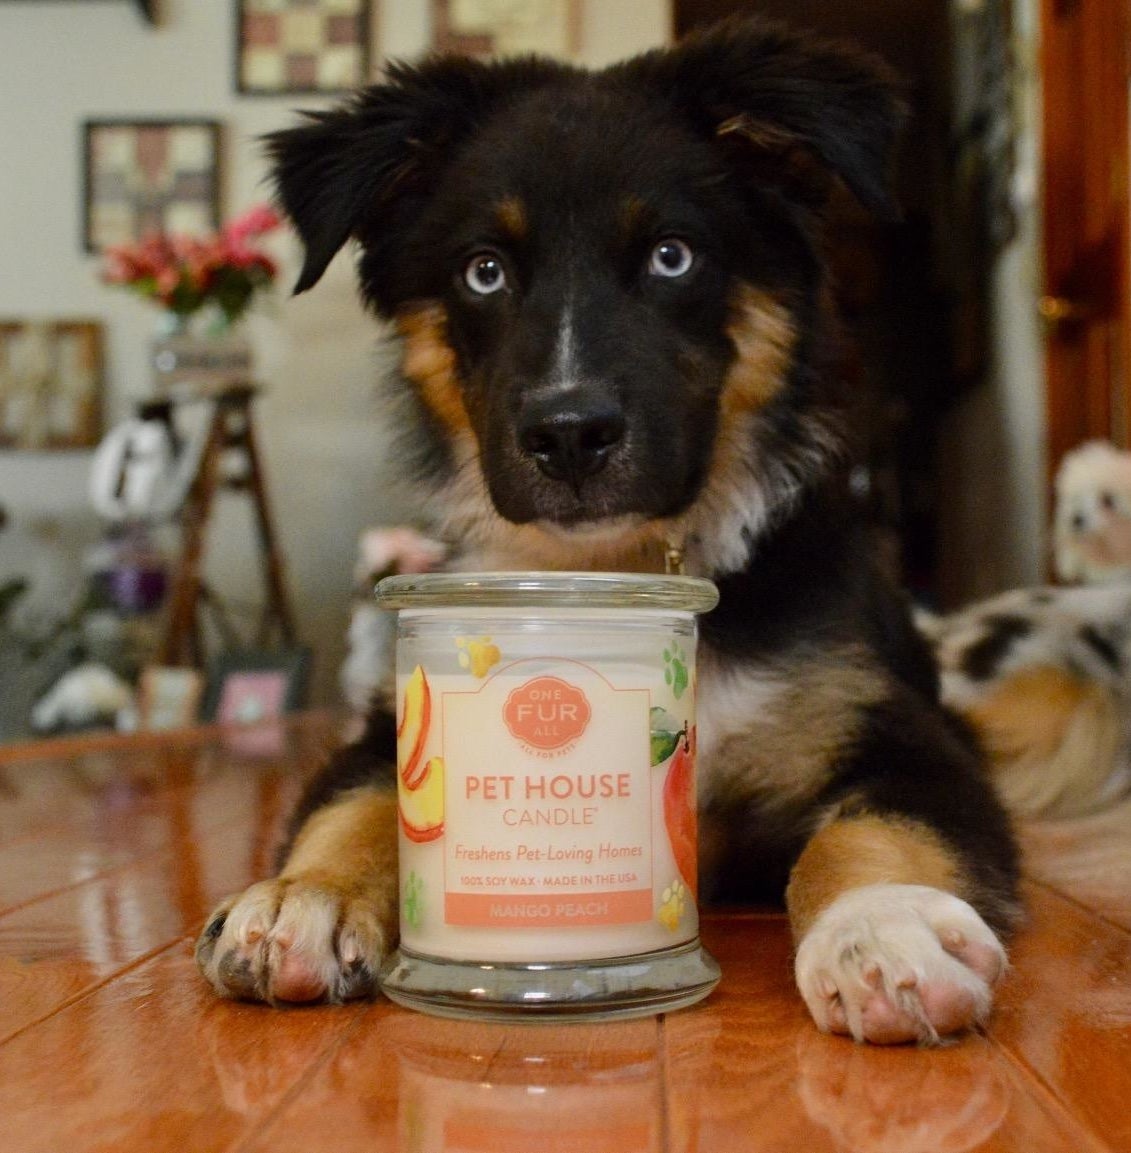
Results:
<point x="478" y="655"/>
<point x="412" y="903"/>
<point x="672" y="905"/>
<point x="675" y="669"/>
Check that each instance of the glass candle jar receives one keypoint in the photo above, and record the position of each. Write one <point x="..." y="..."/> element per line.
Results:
<point x="546" y="787"/>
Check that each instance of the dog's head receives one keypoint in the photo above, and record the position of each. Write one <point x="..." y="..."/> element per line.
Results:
<point x="607" y="283"/>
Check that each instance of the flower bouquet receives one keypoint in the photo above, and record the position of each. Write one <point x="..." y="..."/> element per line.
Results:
<point x="184" y="274"/>
<point x="216" y="277"/>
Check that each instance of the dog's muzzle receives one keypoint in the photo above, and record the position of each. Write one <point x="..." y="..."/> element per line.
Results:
<point x="571" y="436"/>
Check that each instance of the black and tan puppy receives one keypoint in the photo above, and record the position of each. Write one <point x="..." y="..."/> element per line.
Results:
<point x="616" y="340"/>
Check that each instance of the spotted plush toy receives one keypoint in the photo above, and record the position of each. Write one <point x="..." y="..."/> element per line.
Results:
<point x="1043" y="674"/>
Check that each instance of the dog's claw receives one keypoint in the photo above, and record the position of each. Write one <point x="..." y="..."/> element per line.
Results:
<point x="286" y="941"/>
<point x="877" y="964"/>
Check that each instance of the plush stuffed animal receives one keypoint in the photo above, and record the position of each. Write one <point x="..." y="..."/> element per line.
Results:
<point x="381" y="552"/>
<point x="90" y="694"/>
<point x="1044" y="674"/>
<point x="1092" y="525"/>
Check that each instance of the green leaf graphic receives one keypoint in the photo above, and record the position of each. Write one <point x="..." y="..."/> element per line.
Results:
<point x="665" y="731"/>
<point x="663" y="745"/>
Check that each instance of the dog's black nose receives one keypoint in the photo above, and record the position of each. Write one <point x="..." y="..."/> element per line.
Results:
<point x="570" y="441"/>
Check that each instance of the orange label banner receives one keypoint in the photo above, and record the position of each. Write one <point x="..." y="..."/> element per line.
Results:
<point x="554" y="912"/>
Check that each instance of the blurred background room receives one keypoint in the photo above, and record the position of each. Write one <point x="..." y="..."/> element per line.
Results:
<point x="191" y="460"/>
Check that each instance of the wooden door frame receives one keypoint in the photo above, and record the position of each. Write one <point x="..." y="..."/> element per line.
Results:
<point x="1085" y="70"/>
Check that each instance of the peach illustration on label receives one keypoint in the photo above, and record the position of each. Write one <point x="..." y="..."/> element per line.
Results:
<point x="420" y="782"/>
<point x="547" y="713"/>
<point x="413" y="729"/>
<point x="680" y="815"/>
<point x="422" y="805"/>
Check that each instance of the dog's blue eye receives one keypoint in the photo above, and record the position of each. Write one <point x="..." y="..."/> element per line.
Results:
<point x="671" y="257"/>
<point x="484" y="274"/>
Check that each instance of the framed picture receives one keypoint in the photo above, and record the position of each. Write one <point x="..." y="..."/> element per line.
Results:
<point x="51" y="384"/>
<point x="507" y="27"/>
<point x="145" y="176"/>
<point x="287" y="46"/>
<point x="168" y="698"/>
<point x="247" y="687"/>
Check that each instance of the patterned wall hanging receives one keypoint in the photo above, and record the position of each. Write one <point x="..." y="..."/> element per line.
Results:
<point x="146" y="176"/>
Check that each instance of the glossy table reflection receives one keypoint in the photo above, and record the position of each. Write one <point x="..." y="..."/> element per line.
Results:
<point x="113" y="850"/>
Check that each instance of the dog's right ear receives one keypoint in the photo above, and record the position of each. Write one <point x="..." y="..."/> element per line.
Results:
<point x="340" y="174"/>
<point x="777" y="97"/>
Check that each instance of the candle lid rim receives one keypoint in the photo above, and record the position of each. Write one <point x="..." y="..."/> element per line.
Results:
<point x="554" y="589"/>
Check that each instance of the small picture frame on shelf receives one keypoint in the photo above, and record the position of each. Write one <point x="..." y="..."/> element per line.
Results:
<point x="302" y="46"/>
<point x="146" y="176"/>
<point x="250" y="686"/>
<point x="168" y="698"/>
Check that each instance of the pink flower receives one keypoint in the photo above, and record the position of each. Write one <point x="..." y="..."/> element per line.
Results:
<point x="186" y="272"/>
<point x="120" y="267"/>
<point x="167" y="280"/>
<point x="256" y="221"/>
<point x="240" y="255"/>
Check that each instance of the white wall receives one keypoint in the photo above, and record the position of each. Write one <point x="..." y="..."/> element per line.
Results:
<point x="67" y="61"/>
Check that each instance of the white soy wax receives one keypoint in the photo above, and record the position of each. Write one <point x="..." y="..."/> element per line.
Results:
<point x="546" y="788"/>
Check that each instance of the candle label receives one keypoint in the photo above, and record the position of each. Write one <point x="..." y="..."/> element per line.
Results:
<point x="547" y="805"/>
<point x="551" y="832"/>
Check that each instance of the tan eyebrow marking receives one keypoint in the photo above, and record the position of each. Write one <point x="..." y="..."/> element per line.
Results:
<point x="632" y="211"/>
<point x="510" y="214"/>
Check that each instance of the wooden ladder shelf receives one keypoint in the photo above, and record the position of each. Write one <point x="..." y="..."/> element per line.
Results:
<point x="230" y="460"/>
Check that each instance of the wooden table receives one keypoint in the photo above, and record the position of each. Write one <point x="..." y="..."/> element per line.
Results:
<point x="112" y="851"/>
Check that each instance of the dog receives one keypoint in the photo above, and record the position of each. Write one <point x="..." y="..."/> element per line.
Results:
<point x="617" y="340"/>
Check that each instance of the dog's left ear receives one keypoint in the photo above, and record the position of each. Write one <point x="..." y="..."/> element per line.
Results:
<point x="778" y="93"/>
<point x="358" y="170"/>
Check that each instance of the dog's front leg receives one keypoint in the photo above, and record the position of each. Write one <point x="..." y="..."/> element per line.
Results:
<point x="319" y="930"/>
<point x="887" y="950"/>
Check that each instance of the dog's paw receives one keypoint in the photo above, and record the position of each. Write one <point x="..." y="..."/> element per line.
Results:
<point x="287" y="940"/>
<point x="894" y="963"/>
